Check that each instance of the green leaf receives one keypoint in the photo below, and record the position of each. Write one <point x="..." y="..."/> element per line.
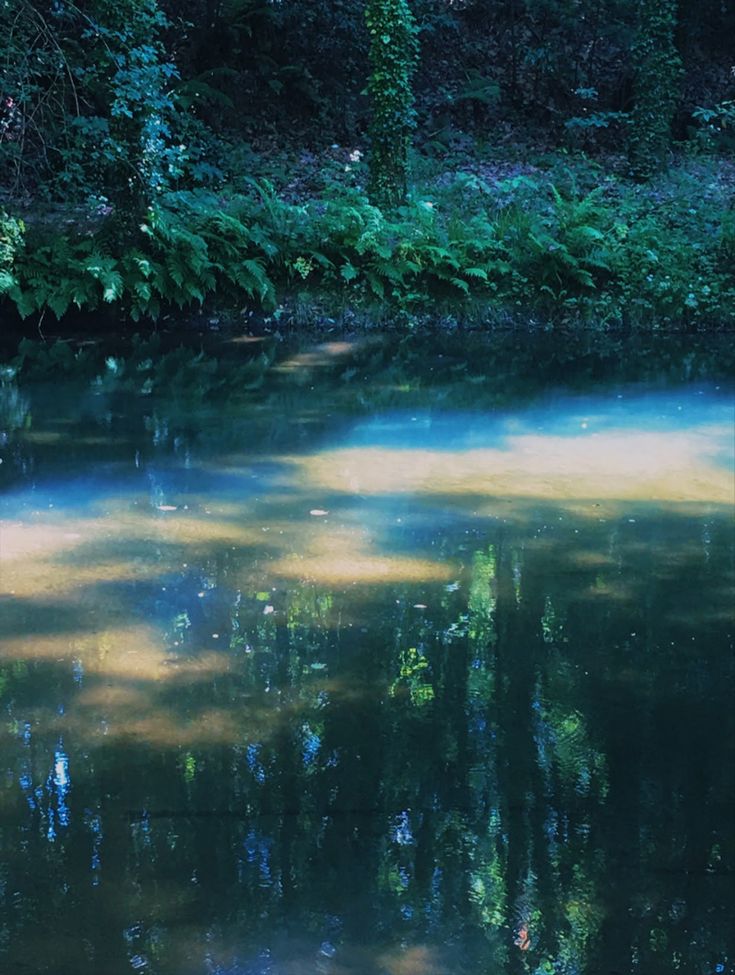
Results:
<point x="113" y="286"/>
<point x="376" y="285"/>
<point x="349" y="272"/>
<point x="58" y="303"/>
<point x="462" y="285"/>
<point x="7" y="281"/>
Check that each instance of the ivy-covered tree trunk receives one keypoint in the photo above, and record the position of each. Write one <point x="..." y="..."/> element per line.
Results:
<point x="393" y="56"/>
<point x="658" y="71"/>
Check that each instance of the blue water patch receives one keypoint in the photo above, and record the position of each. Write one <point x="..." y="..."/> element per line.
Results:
<point x="686" y="409"/>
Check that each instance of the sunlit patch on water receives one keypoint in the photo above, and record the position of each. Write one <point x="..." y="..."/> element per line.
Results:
<point x="610" y="456"/>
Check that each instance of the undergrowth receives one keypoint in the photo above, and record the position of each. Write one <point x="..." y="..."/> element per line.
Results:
<point x="530" y="244"/>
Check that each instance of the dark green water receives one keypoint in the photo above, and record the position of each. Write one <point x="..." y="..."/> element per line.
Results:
<point x="396" y="663"/>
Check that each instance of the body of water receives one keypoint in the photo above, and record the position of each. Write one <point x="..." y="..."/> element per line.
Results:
<point x="381" y="660"/>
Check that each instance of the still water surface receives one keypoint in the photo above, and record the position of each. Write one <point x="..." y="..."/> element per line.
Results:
<point x="388" y="665"/>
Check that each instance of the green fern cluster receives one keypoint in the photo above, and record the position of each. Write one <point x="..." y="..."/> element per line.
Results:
<point x="533" y="249"/>
<point x="184" y="254"/>
<point x="509" y="254"/>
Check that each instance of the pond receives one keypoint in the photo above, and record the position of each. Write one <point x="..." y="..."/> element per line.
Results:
<point x="377" y="657"/>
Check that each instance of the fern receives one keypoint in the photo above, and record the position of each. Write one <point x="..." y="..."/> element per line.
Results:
<point x="550" y="249"/>
<point x="7" y="282"/>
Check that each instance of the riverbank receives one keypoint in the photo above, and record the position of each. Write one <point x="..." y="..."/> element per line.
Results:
<point x="562" y="241"/>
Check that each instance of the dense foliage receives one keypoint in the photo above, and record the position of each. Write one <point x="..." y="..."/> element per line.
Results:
<point x="543" y="244"/>
<point x="88" y="103"/>
<point x="155" y="152"/>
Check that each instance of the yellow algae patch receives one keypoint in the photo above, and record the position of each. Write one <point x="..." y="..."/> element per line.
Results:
<point x="133" y="651"/>
<point x="53" y="555"/>
<point x="342" y="570"/>
<point x="45" y="436"/>
<point x="132" y="713"/>
<point x="246" y="340"/>
<point x="109" y="708"/>
<point x="338" y="555"/>
<point x="137" y="653"/>
<point x="200" y="529"/>
<point x="168" y="728"/>
<point x="414" y="960"/>
<point x="40" y="557"/>
<point x="44" y="577"/>
<point x="677" y="467"/>
<point x="612" y="589"/>
<point x="589" y="559"/>
<point x="113" y="697"/>
<point x="20" y="539"/>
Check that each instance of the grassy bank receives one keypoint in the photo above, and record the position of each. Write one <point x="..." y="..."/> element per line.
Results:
<point x="563" y="240"/>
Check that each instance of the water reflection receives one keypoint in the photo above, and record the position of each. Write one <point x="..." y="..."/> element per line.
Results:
<point x="426" y="691"/>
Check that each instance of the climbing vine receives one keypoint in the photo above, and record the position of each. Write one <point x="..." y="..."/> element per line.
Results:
<point x="86" y="103"/>
<point x="393" y="56"/>
<point x="658" y="71"/>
